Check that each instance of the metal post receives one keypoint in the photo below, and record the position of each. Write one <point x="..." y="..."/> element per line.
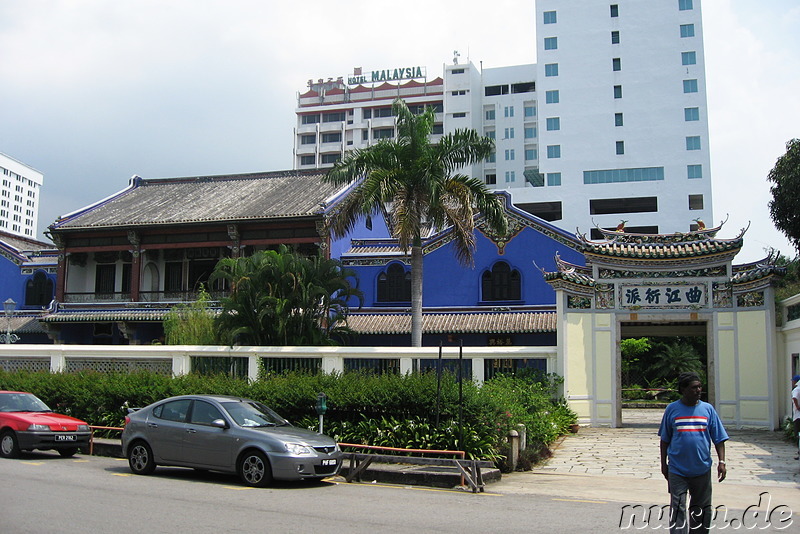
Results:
<point x="460" y="394"/>
<point x="438" y="384"/>
<point x="8" y="306"/>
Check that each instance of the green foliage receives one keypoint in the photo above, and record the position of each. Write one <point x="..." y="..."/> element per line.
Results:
<point x="788" y="431"/>
<point x="415" y="432"/>
<point x="533" y="403"/>
<point x="789" y="285"/>
<point x="283" y="298"/>
<point x="421" y="184"/>
<point x="675" y="358"/>
<point x="657" y="361"/>
<point x="392" y="410"/>
<point x="632" y="349"/>
<point x="191" y="324"/>
<point x="784" y="208"/>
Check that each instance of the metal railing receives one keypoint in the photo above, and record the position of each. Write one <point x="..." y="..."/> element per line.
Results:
<point x="470" y="469"/>
<point x="95" y="427"/>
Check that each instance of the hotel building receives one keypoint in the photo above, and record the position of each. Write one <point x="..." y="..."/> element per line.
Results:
<point x="609" y="125"/>
<point x="19" y="197"/>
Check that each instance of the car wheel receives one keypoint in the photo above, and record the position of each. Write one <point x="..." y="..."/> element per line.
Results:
<point x="140" y="458"/>
<point x="9" y="447"/>
<point x="254" y="469"/>
<point x="67" y="453"/>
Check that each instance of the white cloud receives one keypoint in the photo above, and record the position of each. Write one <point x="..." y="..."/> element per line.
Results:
<point x="95" y="91"/>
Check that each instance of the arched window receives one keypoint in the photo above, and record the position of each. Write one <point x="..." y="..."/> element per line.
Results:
<point x="501" y="283"/>
<point x="394" y="285"/>
<point x="39" y="290"/>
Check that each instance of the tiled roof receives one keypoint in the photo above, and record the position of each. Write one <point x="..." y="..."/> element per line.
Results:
<point x="665" y="251"/>
<point x="121" y="314"/>
<point x="574" y="277"/>
<point x="281" y="194"/>
<point x="24" y="244"/>
<point x="363" y="323"/>
<point x="757" y="274"/>
<point x="455" y="323"/>
<point x="24" y="325"/>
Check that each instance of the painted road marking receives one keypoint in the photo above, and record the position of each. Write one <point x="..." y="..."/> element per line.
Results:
<point x="237" y="488"/>
<point x="33" y="463"/>
<point x="582" y="500"/>
<point x="122" y="474"/>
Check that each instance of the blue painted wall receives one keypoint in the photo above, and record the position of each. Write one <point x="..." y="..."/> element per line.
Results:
<point x="447" y="283"/>
<point x="12" y="283"/>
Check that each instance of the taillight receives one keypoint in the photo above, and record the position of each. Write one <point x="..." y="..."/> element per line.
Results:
<point x="127" y="420"/>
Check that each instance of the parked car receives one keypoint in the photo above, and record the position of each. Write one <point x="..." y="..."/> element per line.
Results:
<point x="27" y="423"/>
<point x="227" y="434"/>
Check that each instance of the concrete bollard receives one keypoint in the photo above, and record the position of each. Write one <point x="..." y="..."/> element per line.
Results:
<point x="523" y="436"/>
<point x="513" y="446"/>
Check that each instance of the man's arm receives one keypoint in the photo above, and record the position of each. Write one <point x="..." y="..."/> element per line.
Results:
<point x="722" y="470"/>
<point x="664" y="467"/>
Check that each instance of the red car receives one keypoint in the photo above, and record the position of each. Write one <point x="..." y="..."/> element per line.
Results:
<point x="26" y="423"/>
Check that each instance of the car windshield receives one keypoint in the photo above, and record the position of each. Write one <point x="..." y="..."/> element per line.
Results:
<point x="253" y="414"/>
<point x="21" y="402"/>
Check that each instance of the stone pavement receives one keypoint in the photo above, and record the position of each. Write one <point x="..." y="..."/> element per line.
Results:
<point x="623" y="465"/>
<point x="757" y="457"/>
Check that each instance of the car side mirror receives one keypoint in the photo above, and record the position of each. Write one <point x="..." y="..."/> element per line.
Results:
<point x="219" y="423"/>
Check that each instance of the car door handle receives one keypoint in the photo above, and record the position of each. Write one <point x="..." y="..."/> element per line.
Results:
<point x="191" y="431"/>
<point x="152" y="425"/>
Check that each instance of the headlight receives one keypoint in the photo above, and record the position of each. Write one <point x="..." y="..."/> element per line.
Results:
<point x="295" y="449"/>
<point x="83" y="428"/>
<point x="39" y="428"/>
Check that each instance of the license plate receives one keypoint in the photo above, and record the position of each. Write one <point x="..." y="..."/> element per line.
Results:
<point x="328" y="462"/>
<point x="66" y="437"/>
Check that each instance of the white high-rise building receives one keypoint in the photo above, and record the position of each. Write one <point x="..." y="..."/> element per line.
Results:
<point x="609" y="125"/>
<point x="19" y="197"/>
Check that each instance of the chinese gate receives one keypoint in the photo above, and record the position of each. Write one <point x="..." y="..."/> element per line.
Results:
<point x="684" y="284"/>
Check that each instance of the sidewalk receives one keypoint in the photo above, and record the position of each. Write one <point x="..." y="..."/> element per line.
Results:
<point x="623" y="464"/>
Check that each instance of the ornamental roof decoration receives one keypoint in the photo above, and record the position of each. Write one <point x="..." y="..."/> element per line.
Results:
<point x="568" y="273"/>
<point x="672" y="258"/>
<point x="698" y="244"/>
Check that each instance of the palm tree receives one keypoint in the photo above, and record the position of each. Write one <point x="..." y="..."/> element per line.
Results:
<point x="282" y="298"/>
<point x="418" y="183"/>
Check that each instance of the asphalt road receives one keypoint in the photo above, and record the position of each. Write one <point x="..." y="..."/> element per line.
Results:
<point x="42" y="492"/>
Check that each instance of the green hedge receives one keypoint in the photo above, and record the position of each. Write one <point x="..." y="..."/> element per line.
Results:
<point x="391" y="410"/>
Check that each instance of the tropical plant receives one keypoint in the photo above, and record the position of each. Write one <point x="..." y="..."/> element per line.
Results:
<point x="191" y="324"/>
<point x="283" y="298"/>
<point x="417" y="182"/>
<point x="674" y="358"/>
<point x="632" y="350"/>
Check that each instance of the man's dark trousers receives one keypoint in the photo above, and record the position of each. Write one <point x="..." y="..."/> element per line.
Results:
<point x="699" y="488"/>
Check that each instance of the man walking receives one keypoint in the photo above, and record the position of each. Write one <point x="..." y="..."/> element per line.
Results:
<point x="688" y="428"/>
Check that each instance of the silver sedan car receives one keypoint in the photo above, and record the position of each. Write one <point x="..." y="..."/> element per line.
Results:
<point x="228" y="434"/>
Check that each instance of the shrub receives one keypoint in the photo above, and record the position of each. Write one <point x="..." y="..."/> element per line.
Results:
<point x="390" y="409"/>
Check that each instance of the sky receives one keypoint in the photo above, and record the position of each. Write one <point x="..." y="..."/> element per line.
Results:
<point x="95" y="91"/>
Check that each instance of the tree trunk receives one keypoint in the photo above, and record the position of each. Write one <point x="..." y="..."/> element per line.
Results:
<point x="416" y="296"/>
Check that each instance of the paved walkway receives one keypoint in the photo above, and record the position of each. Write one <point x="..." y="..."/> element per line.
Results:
<point x="754" y="457"/>
<point x="623" y="465"/>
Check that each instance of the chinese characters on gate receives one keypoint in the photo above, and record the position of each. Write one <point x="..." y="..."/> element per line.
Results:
<point x="663" y="296"/>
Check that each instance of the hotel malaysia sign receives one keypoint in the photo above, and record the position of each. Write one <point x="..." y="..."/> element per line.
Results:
<point x="386" y="75"/>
